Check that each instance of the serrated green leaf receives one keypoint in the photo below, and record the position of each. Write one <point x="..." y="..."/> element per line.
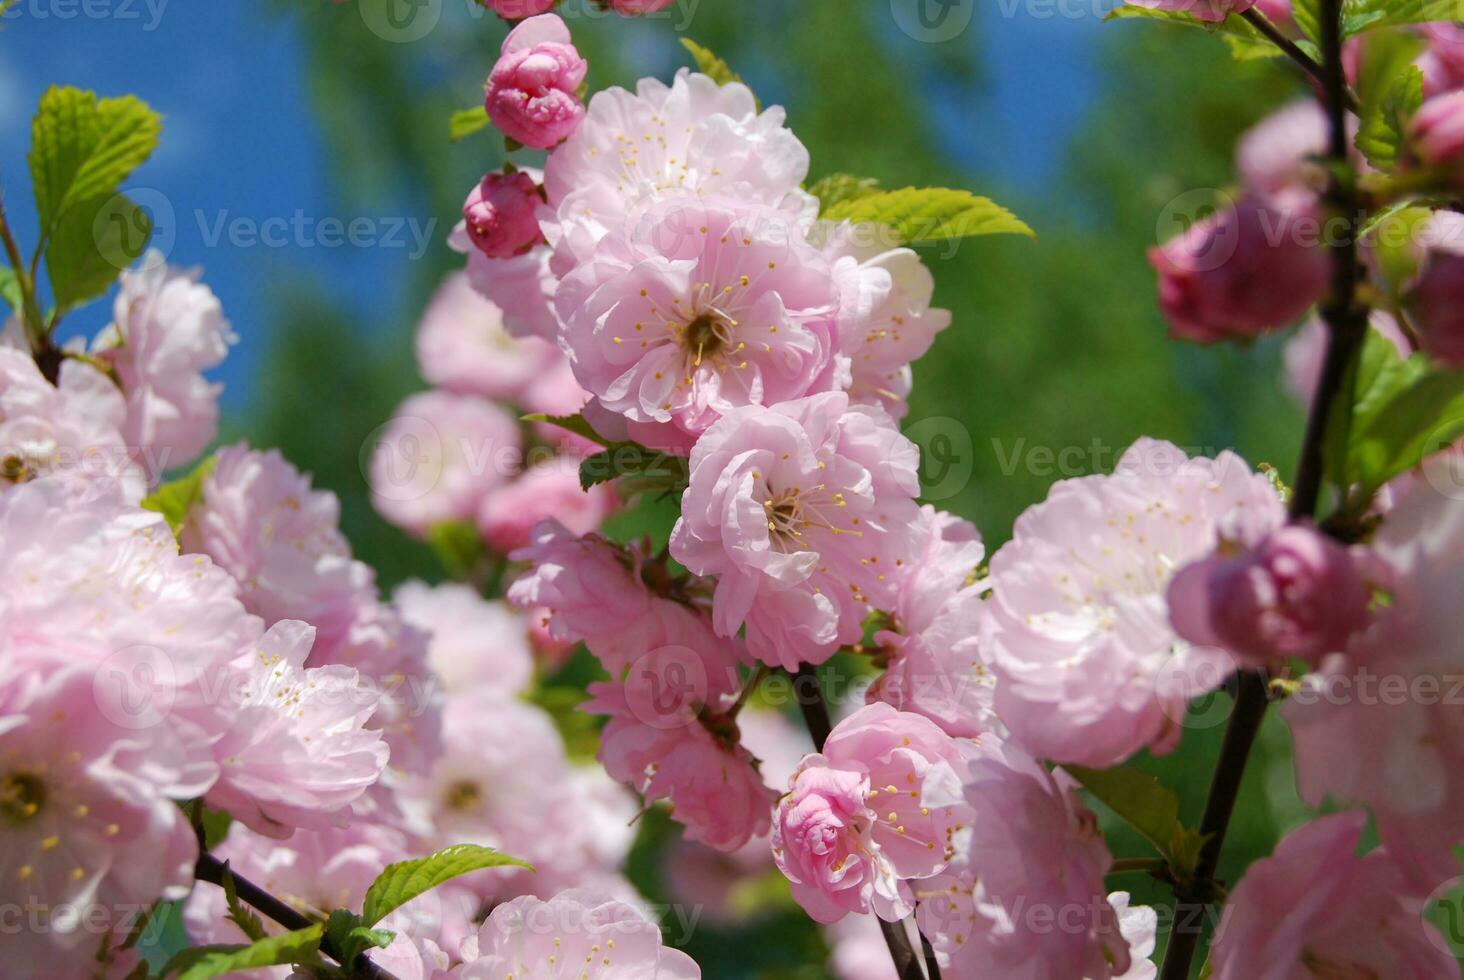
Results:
<point x="174" y="500"/>
<point x="204" y="962"/>
<point x="82" y="148"/>
<point x="1381" y="135"/>
<point x="1308" y="17"/>
<point x="10" y="288"/>
<point x="709" y="64"/>
<point x="348" y="938"/>
<point x="1369" y="15"/>
<point x="930" y="214"/>
<point x="91" y="244"/>
<point x="1425" y="417"/>
<point x="466" y="122"/>
<point x="570" y="423"/>
<point x="838" y="188"/>
<point x="642" y="470"/>
<point x="238" y="913"/>
<point x="1148" y="806"/>
<point x="1394" y="239"/>
<point x="405" y="880"/>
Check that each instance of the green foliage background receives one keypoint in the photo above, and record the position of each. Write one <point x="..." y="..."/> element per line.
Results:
<point x="1056" y="342"/>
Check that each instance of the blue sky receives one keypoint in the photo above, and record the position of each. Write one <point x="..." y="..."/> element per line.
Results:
<point x="241" y="170"/>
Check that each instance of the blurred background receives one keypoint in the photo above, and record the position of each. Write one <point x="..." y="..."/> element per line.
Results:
<point x="283" y="116"/>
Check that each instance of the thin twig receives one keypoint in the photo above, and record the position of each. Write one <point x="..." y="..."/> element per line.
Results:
<point x="932" y="968"/>
<point x="809" y="693"/>
<point x="1290" y="48"/>
<point x="1129" y="866"/>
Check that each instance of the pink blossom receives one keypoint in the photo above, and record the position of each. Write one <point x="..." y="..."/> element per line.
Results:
<point x="521" y="287"/>
<point x="692" y="138"/>
<point x="1436" y="131"/>
<point x="1296" y="593"/>
<point x="1244" y="270"/>
<point x="899" y="326"/>
<point x="880" y="806"/>
<point x="1434" y="299"/>
<point x="1298" y="914"/>
<point x="1213" y="11"/>
<point x="261" y="520"/>
<point x="464" y="346"/>
<point x="1088" y="668"/>
<point x="1377" y="725"/>
<point x="550" y="489"/>
<point x="803" y="513"/>
<point x="532" y="91"/>
<point x="88" y="823"/>
<point x="933" y="644"/>
<point x="857" y="949"/>
<point x="69" y="434"/>
<point x="533" y="940"/>
<point x="167" y="329"/>
<point x="500" y="214"/>
<point x="631" y="8"/>
<point x="1035" y="857"/>
<point x="1276" y="158"/>
<point x="1278" y="12"/>
<point x="519" y="9"/>
<point x="474" y="642"/>
<point x="1306" y="348"/>
<point x="699" y="307"/>
<point x="439" y="456"/>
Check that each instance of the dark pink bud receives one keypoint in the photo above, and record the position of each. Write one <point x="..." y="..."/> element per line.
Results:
<point x="500" y="215"/>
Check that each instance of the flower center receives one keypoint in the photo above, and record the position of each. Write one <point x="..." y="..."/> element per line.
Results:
<point x="706" y="337"/>
<point x="13" y="469"/>
<point x="22" y="794"/>
<point x="462" y="795"/>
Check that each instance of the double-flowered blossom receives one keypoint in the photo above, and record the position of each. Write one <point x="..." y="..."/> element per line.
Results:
<point x="1433" y="300"/>
<point x="532" y="93"/>
<point x="577" y="932"/>
<point x="803" y="511"/>
<point x="500" y="214"/>
<point x="546" y="490"/>
<point x="474" y="642"/>
<point x="1026" y="895"/>
<point x="933" y="645"/>
<point x="697" y="307"/>
<point x="880" y="807"/>
<point x="167" y="329"/>
<point x="1089" y="669"/>
<point x="1296" y="593"/>
<point x="69" y="433"/>
<point x="1379" y="724"/>
<point x="519" y="9"/>
<point x="1436" y="131"/>
<point x="1316" y="909"/>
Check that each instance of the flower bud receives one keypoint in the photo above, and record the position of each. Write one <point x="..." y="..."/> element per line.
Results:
<point x="630" y="8"/>
<point x="1297" y="593"/>
<point x="519" y="9"/>
<point x="1435" y="302"/>
<point x="1213" y="11"/>
<point x="1436" y="132"/>
<point x="532" y="91"/>
<point x="500" y="215"/>
<point x="1244" y="270"/>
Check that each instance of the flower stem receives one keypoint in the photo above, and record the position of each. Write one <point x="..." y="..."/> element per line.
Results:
<point x="1289" y="48"/>
<point x="212" y="870"/>
<point x="1347" y="327"/>
<point x="809" y="693"/>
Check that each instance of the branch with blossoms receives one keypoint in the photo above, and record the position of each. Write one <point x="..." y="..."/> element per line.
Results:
<point x="209" y="715"/>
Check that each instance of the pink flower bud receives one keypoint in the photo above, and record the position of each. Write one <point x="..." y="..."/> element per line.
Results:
<point x="630" y="8"/>
<point x="1436" y="132"/>
<point x="1436" y="300"/>
<point x="519" y="9"/>
<point x="1207" y="10"/>
<point x="1298" y="593"/>
<point x="1244" y="270"/>
<point x="532" y="91"/>
<point x="499" y="215"/>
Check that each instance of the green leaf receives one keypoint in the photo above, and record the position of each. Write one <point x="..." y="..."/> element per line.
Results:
<point x="91" y="244"/>
<point x="643" y="470"/>
<point x="405" y="880"/>
<point x="1149" y="807"/>
<point x="349" y="938"/>
<point x="1394" y="237"/>
<point x="570" y="423"/>
<point x="1308" y="17"/>
<point x="1377" y="376"/>
<point x="458" y="546"/>
<point x="930" y="214"/>
<point x="709" y="64"/>
<point x="838" y="188"/>
<point x="10" y="288"/>
<point x="238" y="913"/>
<point x="466" y="122"/>
<point x="174" y="500"/>
<point x="1381" y="134"/>
<point x="1424" y="418"/>
<point x="203" y="962"/>
<point x="1369" y="15"/>
<point x="82" y="148"/>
